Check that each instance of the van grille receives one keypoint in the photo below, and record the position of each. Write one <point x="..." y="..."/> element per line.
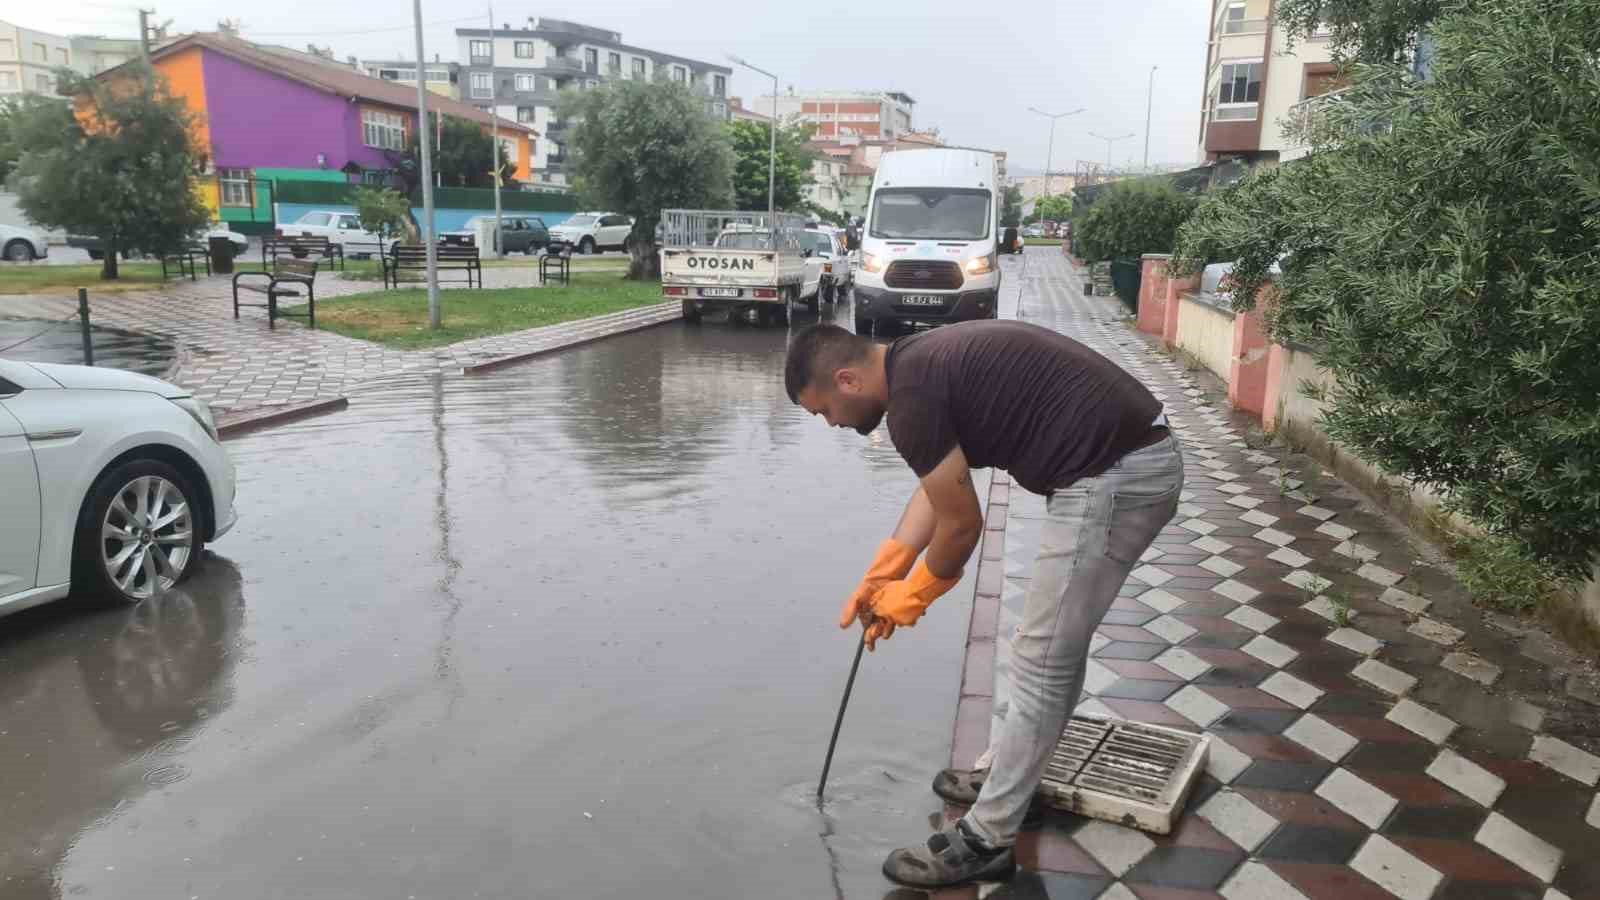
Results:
<point x="924" y="274"/>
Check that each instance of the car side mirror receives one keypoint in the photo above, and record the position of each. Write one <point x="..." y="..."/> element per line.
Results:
<point x="805" y="254"/>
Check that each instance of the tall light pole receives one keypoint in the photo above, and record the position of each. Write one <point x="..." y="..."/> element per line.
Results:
<point x="1109" y="141"/>
<point x="1148" y="100"/>
<point x="772" y="151"/>
<point x="494" y="137"/>
<point x="1050" y="150"/>
<point x="424" y="139"/>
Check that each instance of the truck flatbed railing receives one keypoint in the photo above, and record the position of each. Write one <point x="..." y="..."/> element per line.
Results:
<point x="694" y="229"/>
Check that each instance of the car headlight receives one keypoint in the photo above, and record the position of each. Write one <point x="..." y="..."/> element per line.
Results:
<point x="871" y="262"/>
<point x="981" y="266"/>
<point x="200" y="412"/>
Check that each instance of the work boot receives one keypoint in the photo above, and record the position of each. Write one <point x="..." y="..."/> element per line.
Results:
<point x="960" y="785"/>
<point x="951" y="857"/>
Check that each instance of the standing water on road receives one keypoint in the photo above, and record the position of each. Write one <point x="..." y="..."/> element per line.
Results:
<point x="565" y="631"/>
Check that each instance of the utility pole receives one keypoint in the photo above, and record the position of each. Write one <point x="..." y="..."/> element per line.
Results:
<point x="1109" y="141"/>
<point x="772" y="151"/>
<point x="428" y="237"/>
<point x="1149" y="99"/>
<point x="494" y="124"/>
<point x="1050" y="152"/>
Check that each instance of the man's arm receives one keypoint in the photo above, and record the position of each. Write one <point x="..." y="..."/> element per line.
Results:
<point x="957" y="518"/>
<point x="917" y="522"/>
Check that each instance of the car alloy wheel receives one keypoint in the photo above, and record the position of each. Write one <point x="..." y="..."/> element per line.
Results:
<point x="147" y="536"/>
<point x="19" y="251"/>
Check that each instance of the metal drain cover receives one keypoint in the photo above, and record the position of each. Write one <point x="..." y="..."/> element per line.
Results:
<point x="1124" y="772"/>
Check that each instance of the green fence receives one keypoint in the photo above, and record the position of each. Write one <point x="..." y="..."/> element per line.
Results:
<point x="325" y="192"/>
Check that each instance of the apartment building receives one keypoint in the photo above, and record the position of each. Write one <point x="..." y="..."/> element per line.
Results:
<point x="92" y="54"/>
<point x="1256" y="81"/>
<point x="28" y="59"/>
<point x="443" y="78"/>
<point x="871" y="115"/>
<point x="520" y="71"/>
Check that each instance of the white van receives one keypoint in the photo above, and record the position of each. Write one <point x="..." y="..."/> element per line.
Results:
<point x="928" y="252"/>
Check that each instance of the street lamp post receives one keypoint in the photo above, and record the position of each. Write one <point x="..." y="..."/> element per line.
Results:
<point x="772" y="151"/>
<point x="1050" y="151"/>
<point x="1148" y="100"/>
<point x="1109" y="141"/>
<point x="427" y="173"/>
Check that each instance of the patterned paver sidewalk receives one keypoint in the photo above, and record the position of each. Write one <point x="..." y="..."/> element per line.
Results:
<point x="238" y="364"/>
<point x="1407" y="749"/>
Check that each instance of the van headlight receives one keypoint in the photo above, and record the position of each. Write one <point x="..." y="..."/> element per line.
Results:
<point x="871" y="262"/>
<point x="983" y="265"/>
<point x="200" y="412"/>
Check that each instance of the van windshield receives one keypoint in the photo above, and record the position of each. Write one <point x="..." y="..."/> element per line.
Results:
<point x="931" y="214"/>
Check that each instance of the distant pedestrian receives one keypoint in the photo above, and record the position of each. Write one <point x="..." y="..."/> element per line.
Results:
<point x="1066" y="423"/>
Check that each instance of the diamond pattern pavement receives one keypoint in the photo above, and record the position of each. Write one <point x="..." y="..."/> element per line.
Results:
<point x="1371" y="736"/>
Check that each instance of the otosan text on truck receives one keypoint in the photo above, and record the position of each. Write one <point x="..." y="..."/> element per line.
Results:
<point x="721" y="262"/>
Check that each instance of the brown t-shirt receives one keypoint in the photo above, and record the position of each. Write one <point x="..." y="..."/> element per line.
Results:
<point x="1014" y="396"/>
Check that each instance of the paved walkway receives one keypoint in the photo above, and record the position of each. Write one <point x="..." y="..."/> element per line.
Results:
<point x="238" y="364"/>
<point x="1413" y="750"/>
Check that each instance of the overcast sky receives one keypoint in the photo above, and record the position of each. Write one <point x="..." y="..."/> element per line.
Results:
<point x="974" y="68"/>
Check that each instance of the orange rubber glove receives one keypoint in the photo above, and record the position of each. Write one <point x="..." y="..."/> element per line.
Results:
<point x="893" y="562"/>
<point x="903" y="602"/>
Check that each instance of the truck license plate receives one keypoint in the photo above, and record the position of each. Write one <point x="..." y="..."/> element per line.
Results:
<point x="922" y="300"/>
<point x="719" y="292"/>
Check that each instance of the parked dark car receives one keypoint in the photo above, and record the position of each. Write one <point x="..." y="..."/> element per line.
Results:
<point x="521" y="234"/>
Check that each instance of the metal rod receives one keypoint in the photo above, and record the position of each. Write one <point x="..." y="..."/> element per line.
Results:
<point x="1148" y="101"/>
<point x="88" y="343"/>
<point x="426" y="150"/>
<point x="839" y="720"/>
<point x="494" y="118"/>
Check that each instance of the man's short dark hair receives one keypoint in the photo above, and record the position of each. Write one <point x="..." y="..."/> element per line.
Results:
<point x="818" y="350"/>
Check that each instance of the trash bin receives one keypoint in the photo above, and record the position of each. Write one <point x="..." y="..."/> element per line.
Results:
<point x="221" y="255"/>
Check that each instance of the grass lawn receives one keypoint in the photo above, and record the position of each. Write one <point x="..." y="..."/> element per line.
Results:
<point x="372" y="270"/>
<point x="37" y="278"/>
<point x="1042" y="242"/>
<point x="400" y="318"/>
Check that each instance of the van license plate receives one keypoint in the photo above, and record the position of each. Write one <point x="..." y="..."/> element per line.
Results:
<point x="719" y="292"/>
<point x="922" y="300"/>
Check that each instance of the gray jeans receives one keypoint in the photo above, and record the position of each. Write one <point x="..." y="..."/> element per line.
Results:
<point x="1093" y="537"/>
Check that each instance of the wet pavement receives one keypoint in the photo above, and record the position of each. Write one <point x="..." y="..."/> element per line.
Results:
<point x="40" y="340"/>
<point x="566" y="630"/>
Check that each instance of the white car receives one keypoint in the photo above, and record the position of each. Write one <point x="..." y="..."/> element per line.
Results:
<point x="835" y="276"/>
<point x="113" y="482"/>
<point x="594" y="232"/>
<point x="19" y="244"/>
<point x="337" y="227"/>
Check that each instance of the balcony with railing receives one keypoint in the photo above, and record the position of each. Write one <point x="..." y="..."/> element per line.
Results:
<point x="1301" y="124"/>
<point x="1244" y="26"/>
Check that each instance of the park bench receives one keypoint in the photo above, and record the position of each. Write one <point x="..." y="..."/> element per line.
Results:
<point x="186" y="260"/>
<point x="414" y="258"/>
<point x="287" y="277"/>
<point x="556" y="261"/>
<point x="303" y="247"/>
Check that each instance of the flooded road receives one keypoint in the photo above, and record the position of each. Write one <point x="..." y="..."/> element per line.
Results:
<point x="563" y="631"/>
<point x="36" y="340"/>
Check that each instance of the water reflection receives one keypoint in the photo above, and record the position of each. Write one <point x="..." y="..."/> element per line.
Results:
<point x="101" y="708"/>
<point x="35" y="340"/>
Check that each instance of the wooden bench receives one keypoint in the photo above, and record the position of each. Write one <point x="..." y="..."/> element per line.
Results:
<point x="309" y="247"/>
<point x="557" y="260"/>
<point x="414" y="258"/>
<point x="184" y="261"/>
<point x="287" y="277"/>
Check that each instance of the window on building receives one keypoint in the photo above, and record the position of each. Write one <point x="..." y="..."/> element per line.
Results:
<point x="591" y="59"/>
<point x="41" y="83"/>
<point x="527" y="82"/>
<point x="1241" y="82"/>
<point x="440" y="75"/>
<point x="235" y="187"/>
<point x="614" y="63"/>
<point x="384" y="130"/>
<point x="680" y="74"/>
<point x="719" y="85"/>
<point x="377" y="177"/>
<point x="8" y="49"/>
<point x="525" y="115"/>
<point x="8" y="81"/>
<point x="522" y="49"/>
<point x="478" y="49"/>
<point x="638" y="69"/>
<point x="41" y="53"/>
<point x="482" y="84"/>
<point x="63" y="58"/>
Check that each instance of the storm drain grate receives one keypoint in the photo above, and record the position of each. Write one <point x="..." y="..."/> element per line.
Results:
<point x="1124" y="772"/>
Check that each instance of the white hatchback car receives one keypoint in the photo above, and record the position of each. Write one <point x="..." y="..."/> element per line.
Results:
<point x="111" y="481"/>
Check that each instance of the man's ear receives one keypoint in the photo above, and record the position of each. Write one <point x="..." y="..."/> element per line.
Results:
<point x="847" y="380"/>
